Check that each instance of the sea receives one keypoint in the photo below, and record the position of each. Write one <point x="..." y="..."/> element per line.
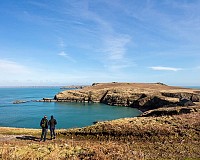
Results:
<point x="68" y="115"/>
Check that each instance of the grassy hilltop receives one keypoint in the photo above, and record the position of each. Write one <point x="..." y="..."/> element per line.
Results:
<point x="163" y="133"/>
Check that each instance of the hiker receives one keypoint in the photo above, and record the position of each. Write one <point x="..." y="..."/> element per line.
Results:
<point x="52" y="124"/>
<point x="44" y="125"/>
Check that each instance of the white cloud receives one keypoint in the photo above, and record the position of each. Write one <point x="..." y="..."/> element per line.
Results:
<point x="160" y="68"/>
<point x="65" y="55"/>
<point x="11" y="67"/>
<point x="62" y="46"/>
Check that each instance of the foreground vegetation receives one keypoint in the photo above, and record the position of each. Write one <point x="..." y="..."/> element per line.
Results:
<point x="165" y="137"/>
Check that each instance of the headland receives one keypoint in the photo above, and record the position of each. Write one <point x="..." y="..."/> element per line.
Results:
<point x="144" y="96"/>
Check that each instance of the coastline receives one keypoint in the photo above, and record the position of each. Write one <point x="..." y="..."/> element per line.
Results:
<point x="169" y="132"/>
<point x="133" y="95"/>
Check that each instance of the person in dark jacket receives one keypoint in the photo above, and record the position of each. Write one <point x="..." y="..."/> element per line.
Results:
<point x="52" y="124"/>
<point x="44" y="125"/>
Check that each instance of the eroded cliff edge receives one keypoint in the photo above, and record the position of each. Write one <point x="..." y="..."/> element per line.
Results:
<point x="144" y="96"/>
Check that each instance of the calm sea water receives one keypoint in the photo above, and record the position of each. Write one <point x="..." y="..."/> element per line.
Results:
<point x="68" y="115"/>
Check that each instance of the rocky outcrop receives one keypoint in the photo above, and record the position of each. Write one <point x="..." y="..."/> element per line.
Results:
<point x="171" y="111"/>
<point x="144" y="96"/>
<point x="183" y="95"/>
<point x="73" y="87"/>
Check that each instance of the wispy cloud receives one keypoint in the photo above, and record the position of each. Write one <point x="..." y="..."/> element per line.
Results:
<point x="115" y="67"/>
<point x="62" y="46"/>
<point x="112" y="44"/>
<point x="61" y="43"/>
<point x="12" y="67"/>
<point x="115" y="47"/>
<point x="114" y="51"/>
<point x="160" y="68"/>
<point x="65" y="55"/>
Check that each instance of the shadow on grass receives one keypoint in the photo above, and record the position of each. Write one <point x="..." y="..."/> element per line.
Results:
<point x="29" y="138"/>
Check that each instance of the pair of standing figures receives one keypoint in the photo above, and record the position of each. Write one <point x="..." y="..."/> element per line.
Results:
<point x="44" y="123"/>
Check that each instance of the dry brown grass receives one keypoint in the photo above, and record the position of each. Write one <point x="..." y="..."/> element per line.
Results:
<point x="138" y="86"/>
<point x="21" y="150"/>
<point x="167" y="137"/>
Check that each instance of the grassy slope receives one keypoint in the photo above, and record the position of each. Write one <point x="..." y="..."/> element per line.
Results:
<point x="166" y="137"/>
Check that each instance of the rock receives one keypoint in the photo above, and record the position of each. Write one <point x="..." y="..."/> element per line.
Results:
<point x="153" y="102"/>
<point x="161" y="83"/>
<point x="47" y="100"/>
<point x="170" y="111"/>
<point x="186" y="102"/>
<point x="19" y="101"/>
<point x="195" y="97"/>
<point x="95" y="122"/>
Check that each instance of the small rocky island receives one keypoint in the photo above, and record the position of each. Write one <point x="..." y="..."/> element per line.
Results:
<point x="73" y="87"/>
<point x="144" y="96"/>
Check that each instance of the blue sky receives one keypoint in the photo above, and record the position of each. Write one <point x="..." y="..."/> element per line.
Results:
<point x="66" y="42"/>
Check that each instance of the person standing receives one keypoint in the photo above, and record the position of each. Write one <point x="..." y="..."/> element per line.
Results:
<point x="44" y="125"/>
<point x="52" y="124"/>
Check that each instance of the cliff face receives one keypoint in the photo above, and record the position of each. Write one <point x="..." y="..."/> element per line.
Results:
<point x="144" y="96"/>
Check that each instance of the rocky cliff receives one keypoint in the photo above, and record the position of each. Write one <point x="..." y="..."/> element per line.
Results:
<point x="144" y="96"/>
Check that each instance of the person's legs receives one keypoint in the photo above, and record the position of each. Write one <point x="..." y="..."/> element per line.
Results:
<point x="42" y="135"/>
<point x="45" y="134"/>
<point x="51" y="132"/>
<point x="54" y="135"/>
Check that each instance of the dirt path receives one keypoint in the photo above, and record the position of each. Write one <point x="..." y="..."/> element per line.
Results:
<point x="15" y="137"/>
<point x="8" y="137"/>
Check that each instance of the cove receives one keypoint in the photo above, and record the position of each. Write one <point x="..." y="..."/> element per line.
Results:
<point x="68" y="115"/>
